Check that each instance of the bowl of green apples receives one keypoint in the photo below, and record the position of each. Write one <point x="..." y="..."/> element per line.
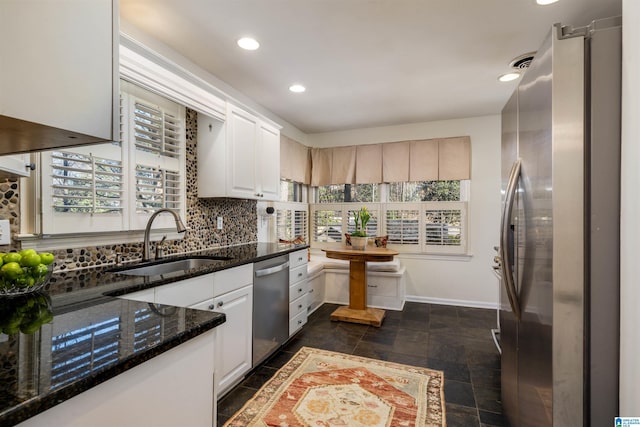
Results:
<point x="24" y="272"/>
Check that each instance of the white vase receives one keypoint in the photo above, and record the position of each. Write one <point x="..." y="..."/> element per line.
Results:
<point x="358" y="243"/>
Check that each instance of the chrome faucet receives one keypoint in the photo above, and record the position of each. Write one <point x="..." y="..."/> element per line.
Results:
<point x="145" y="244"/>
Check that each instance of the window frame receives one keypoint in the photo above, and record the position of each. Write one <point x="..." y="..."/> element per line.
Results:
<point x="423" y="247"/>
<point x="291" y="208"/>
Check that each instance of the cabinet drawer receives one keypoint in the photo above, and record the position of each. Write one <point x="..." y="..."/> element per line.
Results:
<point x="298" y="258"/>
<point x="186" y="292"/>
<point x="297" y="290"/>
<point x="298" y="306"/>
<point x="297" y="322"/>
<point x="232" y="278"/>
<point x="298" y="274"/>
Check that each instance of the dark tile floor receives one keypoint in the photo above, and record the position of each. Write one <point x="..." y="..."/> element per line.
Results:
<point x="456" y="340"/>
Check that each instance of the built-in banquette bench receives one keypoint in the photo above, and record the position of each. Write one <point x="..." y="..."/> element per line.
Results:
<point x="329" y="282"/>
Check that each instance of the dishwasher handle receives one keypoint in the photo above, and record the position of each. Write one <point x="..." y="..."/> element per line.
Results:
<point x="272" y="270"/>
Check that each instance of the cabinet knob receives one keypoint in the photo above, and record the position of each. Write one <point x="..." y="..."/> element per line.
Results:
<point x="299" y="305"/>
<point x="211" y="307"/>
<point x="300" y="259"/>
<point x="299" y="322"/>
<point x="299" y="289"/>
<point x="299" y="274"/>
<point x="220" y="304"/>
<point x="30" y="166"/>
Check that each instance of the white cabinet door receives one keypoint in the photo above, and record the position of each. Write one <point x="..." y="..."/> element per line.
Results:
<point x="234" y="337"/>
<point x="15" y="165"/>
<point x="241" y="154"/>
<point x="211" y="157"/>
<point x="59" y="59"/>
<point x="268" y="163"/>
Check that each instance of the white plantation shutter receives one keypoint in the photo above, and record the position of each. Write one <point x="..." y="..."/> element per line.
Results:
<point x="156" y="131"/>
<point x="156" y="136"/>
<point x="402" y="224"/>
<point x="327" y="223"/>
<point x="292" y="221"/>
<point x="445" y="227"/>
<point x="157" y="188"/>
<point x="83" y="189"/>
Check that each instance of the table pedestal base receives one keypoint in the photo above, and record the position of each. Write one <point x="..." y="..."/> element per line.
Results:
<point x="368" y="316"/>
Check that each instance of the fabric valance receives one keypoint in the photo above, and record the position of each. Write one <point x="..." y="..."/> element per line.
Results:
<point x="439" y="159"/>
<point x="295" y="161"/>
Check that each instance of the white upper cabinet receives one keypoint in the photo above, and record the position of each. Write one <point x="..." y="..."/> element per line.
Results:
<point x="267" y="147"/>
<point x="58" y="77"/>
<point x="239" y="158"/>
<point x="242" y="130"/>
<point x="13" y="166"/>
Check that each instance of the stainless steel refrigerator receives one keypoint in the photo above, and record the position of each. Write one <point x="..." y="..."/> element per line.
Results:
<point x="559" y="243"/>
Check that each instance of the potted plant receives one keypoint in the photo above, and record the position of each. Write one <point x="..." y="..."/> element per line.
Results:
<point x="359" y="236"/>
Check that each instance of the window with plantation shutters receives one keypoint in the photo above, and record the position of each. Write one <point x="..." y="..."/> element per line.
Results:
<point x="156" y="188"/>
<point x="156" y="131"/>
<point x="402" y="224"/>
<point x="292" y="221"/>
<point x="83" y="189"/>
<point x="155" y="136"/>
<point x="444" y="227"/>
<point x="327" y="223"/>
<point x="418" y="227"/>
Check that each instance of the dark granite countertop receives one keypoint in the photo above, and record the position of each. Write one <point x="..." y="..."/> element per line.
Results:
<point x="88" y="335"/>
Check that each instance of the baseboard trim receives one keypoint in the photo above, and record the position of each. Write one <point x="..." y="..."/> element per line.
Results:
<point x="456" y="302"/>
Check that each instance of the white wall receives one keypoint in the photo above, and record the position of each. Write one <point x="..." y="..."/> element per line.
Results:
<point x="466" y="280"/>
<point x="630" y="226"/>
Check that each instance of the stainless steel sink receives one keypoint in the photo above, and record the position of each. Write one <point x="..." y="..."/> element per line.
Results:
<point x="168" y="267"/>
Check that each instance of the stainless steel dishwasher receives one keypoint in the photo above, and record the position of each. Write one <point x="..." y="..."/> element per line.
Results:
<point x="270" y="306"/>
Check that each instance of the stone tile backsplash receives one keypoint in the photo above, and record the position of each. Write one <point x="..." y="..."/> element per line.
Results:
<point x="240" y="220"/>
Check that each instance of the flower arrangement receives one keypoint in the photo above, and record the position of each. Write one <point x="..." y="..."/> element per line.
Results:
<point x="361" y="218"/>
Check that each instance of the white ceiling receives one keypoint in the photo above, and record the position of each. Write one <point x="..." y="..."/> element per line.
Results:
<point x="365" y="63"/>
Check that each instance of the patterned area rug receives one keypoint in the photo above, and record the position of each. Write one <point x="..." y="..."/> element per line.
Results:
<point x="320" y="388"/>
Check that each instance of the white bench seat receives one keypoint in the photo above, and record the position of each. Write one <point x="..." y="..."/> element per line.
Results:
<point x="330" y="278"/>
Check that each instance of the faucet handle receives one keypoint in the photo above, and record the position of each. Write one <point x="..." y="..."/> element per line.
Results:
<point x="159" y="251"/>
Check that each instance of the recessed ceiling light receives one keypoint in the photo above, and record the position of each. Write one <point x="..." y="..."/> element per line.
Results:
<point x="508" y="77"/>
<point x="545" y="2"/>
<point x="297" y="88"/>
<point x="248" y="43"/>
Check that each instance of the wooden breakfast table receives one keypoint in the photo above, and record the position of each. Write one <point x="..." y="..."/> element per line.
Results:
<point x="357" y="311"/>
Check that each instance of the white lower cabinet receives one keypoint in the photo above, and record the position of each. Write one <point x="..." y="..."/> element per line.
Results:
<point x="298" y="291"/>
<point x="233" y="344"/>
<point x="233" y="296"/>
<point x="175" y="388"/>
<point x="227" y="291"/>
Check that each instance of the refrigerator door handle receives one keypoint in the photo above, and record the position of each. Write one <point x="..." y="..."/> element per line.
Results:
<point x="506" y="262"/>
